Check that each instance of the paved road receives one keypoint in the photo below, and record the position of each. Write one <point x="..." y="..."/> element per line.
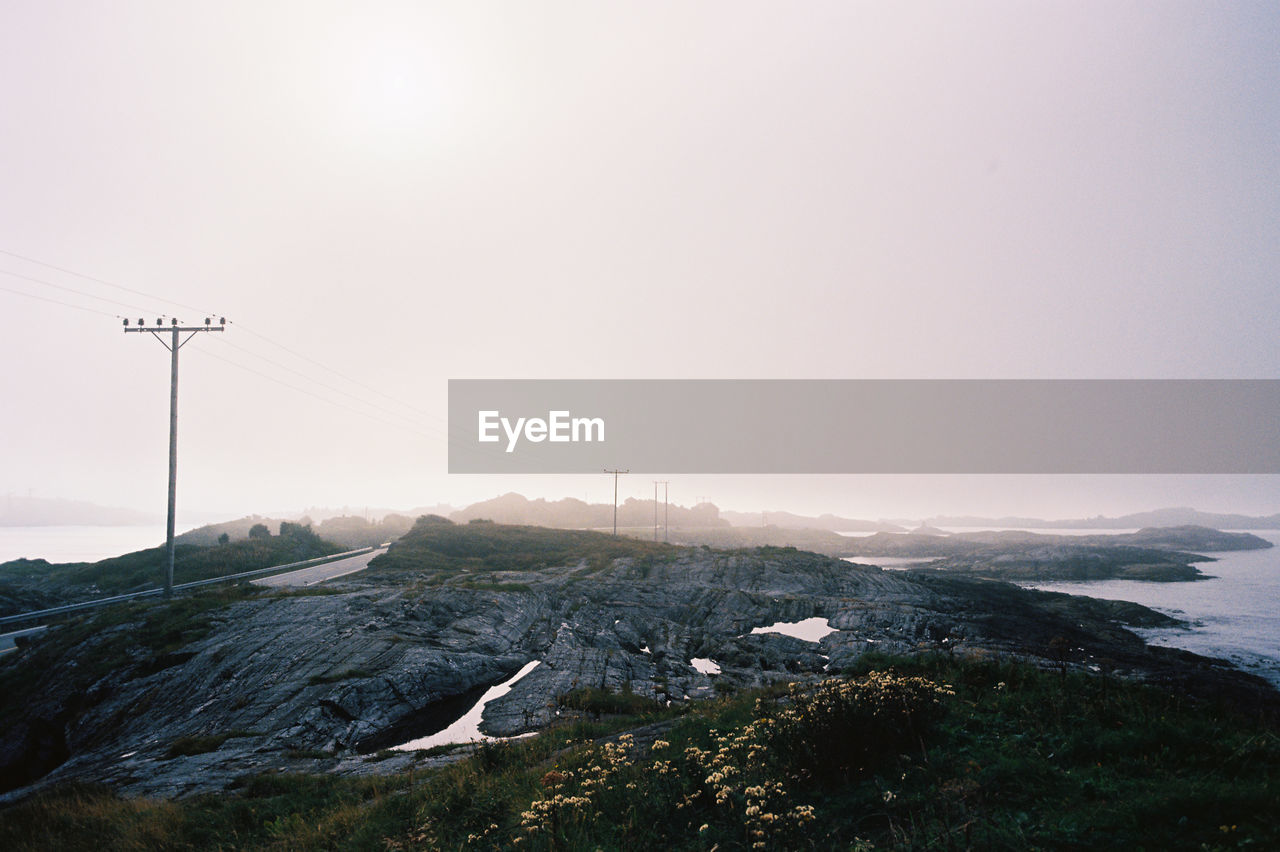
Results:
<point x="319" y="573"/>
<point x="6" y="639"/>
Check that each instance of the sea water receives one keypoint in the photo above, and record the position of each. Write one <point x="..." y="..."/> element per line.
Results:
<point x="77" y="543"/>
<point x="1233" y="616"/>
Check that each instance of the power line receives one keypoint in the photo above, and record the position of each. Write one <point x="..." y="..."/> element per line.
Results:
<point x="318" y="382"/>
<point x="313" y="394"/>
<point x="337" y="373"/>
<point x="134" y="308"/>
<point x="423" y="428"/>
<point x="242" y="327"/>
<point x="416" y="429"/>
<point x="57" y="302"/>
<point x="442" y="428"/>
<point x="104" y="282"/>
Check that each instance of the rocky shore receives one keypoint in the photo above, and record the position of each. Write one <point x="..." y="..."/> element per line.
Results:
<point x="315" y="681"/>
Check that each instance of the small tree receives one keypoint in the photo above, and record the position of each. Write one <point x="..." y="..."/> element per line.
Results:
<point x="224" y="538"/>
<point x="259" y="531"/>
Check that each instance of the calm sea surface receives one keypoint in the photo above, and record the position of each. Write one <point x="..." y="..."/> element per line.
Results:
<point x="77" y="544"/>
<point x="1234" y="616"/>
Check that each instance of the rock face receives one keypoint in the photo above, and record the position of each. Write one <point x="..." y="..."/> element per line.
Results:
<point x="403" y="649"/>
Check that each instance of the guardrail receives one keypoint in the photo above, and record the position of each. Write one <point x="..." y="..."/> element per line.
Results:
<point x="151" y="593"/>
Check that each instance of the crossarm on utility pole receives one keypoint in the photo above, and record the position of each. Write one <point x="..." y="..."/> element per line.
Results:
<point x="173" y="346"/>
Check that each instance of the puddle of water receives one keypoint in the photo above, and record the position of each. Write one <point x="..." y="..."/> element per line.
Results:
<point x="891" y="563"/>
<point x="705" y="666"/>
<point x="810" y="630"/>
<point x="467" y="728"/>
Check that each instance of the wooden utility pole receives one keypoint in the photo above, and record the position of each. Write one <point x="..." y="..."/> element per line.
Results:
<point x="173" y="346"/>
<point x="655" y="511"/>
<point x="666" y="507"/>
<point x="615" y="496"/>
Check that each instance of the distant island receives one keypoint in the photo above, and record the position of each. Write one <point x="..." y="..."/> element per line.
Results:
<point x="1161" y="554"/>
<point x="1171" y="517"/>
<point x="570" y="513"/>
<point x="47" y="512"/>
<point x="788" y="520"/>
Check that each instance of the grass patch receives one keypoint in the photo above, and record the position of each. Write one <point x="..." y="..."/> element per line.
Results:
<point x="187" y="746"/>
<point x="436" y="546"/>
<point x="112" y="639"/>
<point x="900" y="754"/>
<point x="487" y="586"/>
<point x="144" y="569"/>
<point x="599" y="702"/>
<point x="315" y="591"/>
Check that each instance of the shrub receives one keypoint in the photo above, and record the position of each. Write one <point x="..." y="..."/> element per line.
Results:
<point x="588" y="699"/>
<point x="840" y="729"/>
<point x="192" y="745"/>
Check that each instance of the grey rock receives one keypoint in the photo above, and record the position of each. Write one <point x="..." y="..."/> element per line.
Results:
<point x="318" y="682"/>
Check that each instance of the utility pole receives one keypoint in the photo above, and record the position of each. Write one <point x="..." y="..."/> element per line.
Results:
<point x="655" y="511"/>
<point x="173" y="346"/>
<point x="666" y="506"/>
<point x="615" y="496"/>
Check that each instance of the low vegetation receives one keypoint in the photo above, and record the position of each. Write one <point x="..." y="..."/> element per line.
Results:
<point x="144" y="569"/>
<point x="440" y="550"/>
<point x="141" y="638"/>
<point x="930" y="752"/>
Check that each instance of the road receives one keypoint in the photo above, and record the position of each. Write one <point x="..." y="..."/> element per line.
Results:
<point x="319" y="573"/>
<point x="7" y="639"/>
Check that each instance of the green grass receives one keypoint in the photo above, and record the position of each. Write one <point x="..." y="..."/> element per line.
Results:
<point x="598" y="702"/>
<point x="144" y="569"/>
<point x="440" y="549"/>
<point x="1015" y="758"/>
<point x="187" y="746"/>
<point x="143" y="637"/>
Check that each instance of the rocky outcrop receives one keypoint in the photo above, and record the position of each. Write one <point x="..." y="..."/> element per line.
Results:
<point x="1160" y="555"/>
<point x="311" y="681"/>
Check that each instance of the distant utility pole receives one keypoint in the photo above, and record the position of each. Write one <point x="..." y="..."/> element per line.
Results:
<point x="655" y="510"/>
<point x="173" y="346"/>
<point x="615" y="496"/>
<point x="666" y="506"/>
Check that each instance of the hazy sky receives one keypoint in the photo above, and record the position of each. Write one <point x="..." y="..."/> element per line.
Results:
<point x="410" y="192"/>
